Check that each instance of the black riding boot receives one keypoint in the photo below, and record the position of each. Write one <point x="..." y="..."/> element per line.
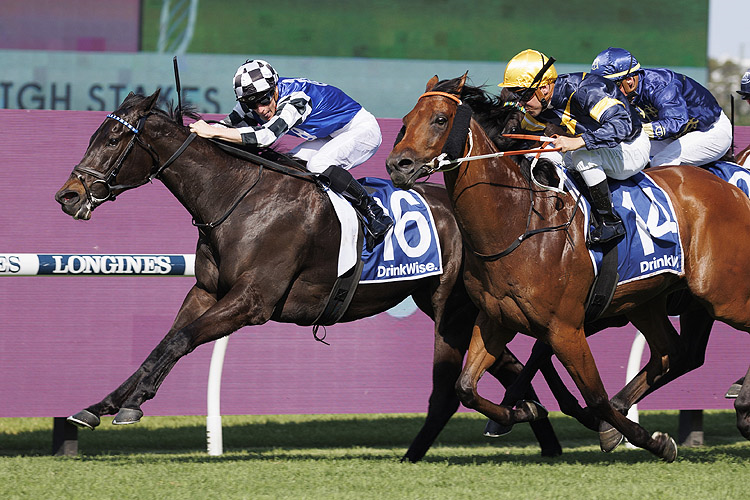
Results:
<point x="607" y="224"/>
<point x="376" y="221"/>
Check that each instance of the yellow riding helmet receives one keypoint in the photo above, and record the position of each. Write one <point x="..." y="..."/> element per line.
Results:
<point x="524" y="68"/>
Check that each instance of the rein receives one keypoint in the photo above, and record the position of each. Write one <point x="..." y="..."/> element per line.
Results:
<point x="108" y="178"/>
<point x="441" y="164"/>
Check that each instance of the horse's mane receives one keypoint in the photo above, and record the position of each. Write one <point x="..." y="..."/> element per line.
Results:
<point x="496" y="115"/>
<point x="490" y="111"/>
<point x="175" y="114"/>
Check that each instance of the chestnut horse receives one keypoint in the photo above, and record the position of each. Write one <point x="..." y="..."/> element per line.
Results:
<point x="528" y="268"/>
<point x="742" y="156"/>
<point x="269" y="260"/>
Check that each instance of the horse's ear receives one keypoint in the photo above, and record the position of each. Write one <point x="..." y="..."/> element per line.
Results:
<point x="152" y="99"/>
<point x="433" y="81"/>
<point x="461" y="83"/>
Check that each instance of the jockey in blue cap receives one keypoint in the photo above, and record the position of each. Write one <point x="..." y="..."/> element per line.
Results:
<point x="744" y="91"/>
<point x="681" y="117"/>
<point x="339" y="133"/>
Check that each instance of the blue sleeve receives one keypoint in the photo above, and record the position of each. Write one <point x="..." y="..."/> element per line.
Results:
<point x="612" y="114"/>
<point x="673" y="110"/>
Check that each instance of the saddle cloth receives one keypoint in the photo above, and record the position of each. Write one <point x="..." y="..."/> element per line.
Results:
<point x="652" y="244"/>
<point x="732" y="173"/>
<point x="410" y="249"/>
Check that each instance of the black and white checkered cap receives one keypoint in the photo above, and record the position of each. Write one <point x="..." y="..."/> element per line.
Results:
<point x="253" y="77"/>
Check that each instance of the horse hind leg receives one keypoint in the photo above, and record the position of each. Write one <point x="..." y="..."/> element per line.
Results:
<point x="742" y="407"/>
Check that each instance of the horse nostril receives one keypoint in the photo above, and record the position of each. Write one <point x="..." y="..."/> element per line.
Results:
<point x="405" y="163"/>
<point x="66" y="197"/>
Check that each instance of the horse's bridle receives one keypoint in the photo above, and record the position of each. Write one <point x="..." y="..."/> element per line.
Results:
<point x="108" y="178"/>
<point x="440" y="164"/>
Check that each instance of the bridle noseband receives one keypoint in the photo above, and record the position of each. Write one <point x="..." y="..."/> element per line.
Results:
<point x="108" y="178"/>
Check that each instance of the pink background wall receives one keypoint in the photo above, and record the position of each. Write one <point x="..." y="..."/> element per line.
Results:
<point x="65" y="342"/>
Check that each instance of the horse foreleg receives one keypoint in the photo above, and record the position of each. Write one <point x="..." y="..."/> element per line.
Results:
<point x="573" y="351"/>
<point x="666" y="362"/>
<point x="443" y="401"/>
<point x="241" y="306"/>
<point x="487" y="339"/>
<point x="196" y="303"/>
<point x="509" y="371"/>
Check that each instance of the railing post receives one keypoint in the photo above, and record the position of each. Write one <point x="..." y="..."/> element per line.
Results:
<point x="214" y="438"/>
<point x="691" y="428"/>
<point x="64" y="437"/>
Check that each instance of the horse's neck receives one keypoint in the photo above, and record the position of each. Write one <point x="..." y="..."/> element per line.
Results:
<point x="202" y="179"/>
<point x="482" y="189"/>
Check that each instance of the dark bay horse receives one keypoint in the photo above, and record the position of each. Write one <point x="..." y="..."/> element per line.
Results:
<point x="539" y="288"/>
<point x="283" y="222"/>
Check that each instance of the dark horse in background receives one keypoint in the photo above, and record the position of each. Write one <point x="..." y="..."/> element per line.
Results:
<point x="269" y="260"/>
<point x="540" y="288"/>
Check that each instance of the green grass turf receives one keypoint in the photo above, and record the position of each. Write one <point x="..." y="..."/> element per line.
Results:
<point x="357" y="456"/>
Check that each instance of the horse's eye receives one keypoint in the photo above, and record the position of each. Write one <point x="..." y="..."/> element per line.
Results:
<point x="441" y="120"/>
<point x="112" y="141"/>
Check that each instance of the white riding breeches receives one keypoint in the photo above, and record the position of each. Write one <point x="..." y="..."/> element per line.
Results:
<point x="349" y="146"/>
<point x="694" y="148"/>
<point x="620" y="162"/>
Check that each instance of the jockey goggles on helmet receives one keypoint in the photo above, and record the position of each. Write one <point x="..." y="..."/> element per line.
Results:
<point x="260" y="99"/>
<point x="526" y="72"/>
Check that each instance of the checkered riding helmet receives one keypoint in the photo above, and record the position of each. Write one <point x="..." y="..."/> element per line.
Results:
<point x="254" y="77"/>
<point x="745" y="85"/>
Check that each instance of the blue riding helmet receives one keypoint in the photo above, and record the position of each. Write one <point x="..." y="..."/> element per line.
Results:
<point x="745" y="86"/>
<point x="615" y="64"/>
<point x="619" y="64"/>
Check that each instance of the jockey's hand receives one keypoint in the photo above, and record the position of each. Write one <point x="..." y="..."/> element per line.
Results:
<point x="568" y="143"/>
<point x="203" y="129"/>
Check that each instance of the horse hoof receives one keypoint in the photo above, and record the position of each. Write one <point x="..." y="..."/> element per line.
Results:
<point x="609" y="437"/>
<point x="84" y="419"/>
<point x="552" y="451"/>
<point x="733" y="391"/>
<point x="534" y="409"/>
<point x="667" y="445"/>
<point x="127" y="416"/>
<point x="495" y="430"/>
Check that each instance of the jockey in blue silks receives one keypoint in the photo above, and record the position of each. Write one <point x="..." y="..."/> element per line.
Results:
<point x="339" y="133"/>
<point x="681" y="117"/>
<point x="744" y="91"/>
